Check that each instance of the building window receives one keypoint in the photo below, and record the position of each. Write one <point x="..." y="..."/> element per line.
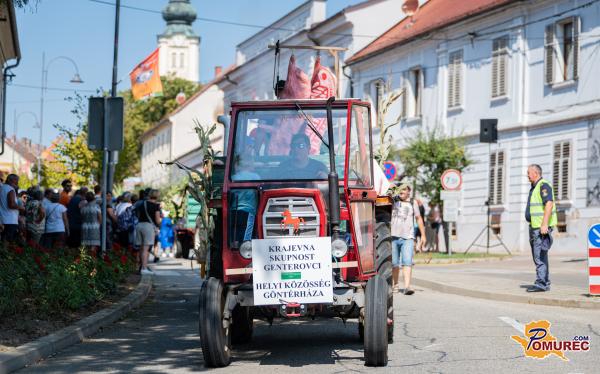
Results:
<point x="499" y="66"/>
<point x="181" y="60"/>
<point x="560" y="170"/>
<point x="562" y="50"/>
<point x="173" y="60"/>
<point x="374" y="91"/>
<point x="496" y="182"/>
<point x="412" y="98"/>
<point x="455" y="67"/>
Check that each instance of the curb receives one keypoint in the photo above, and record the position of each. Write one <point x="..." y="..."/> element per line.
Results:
<point x="36" y="350"/>
<point x="583" y="304"/>
<point x="451" y="261"/>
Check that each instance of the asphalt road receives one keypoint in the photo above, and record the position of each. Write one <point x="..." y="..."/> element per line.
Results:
<point x="434" y="332"/>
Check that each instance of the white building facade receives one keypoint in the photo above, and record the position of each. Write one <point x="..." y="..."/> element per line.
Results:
<point x="174" y="138"/>
<point x="533" y="66"/>
<point x="352" y="28"/>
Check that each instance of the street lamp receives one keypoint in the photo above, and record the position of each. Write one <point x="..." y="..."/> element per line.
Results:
<point x="76" y="79"/>
<point x="35" y="126"/>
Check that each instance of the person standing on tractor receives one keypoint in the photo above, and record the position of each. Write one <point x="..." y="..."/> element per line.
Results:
<point x="404" y="214"/>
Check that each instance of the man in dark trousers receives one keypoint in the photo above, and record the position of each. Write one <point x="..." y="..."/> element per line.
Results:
<point x="541" y="215"/>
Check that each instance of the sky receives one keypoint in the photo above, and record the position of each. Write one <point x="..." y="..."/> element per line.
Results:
<point x="83" y="30"/>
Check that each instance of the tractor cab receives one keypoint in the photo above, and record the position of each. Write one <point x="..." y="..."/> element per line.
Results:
<point x="300" y="230"/>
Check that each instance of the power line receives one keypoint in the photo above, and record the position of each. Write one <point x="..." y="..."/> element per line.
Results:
<point x="380" y="37"/>
<point x="51" y="88"/>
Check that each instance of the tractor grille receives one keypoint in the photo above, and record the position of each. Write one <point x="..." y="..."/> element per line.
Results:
<point x="300" y="207"/>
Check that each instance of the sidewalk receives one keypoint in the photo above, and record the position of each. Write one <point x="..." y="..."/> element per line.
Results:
<point x="507" y="280"/>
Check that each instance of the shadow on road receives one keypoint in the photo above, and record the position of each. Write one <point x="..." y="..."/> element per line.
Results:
<point x="299" y="343"/>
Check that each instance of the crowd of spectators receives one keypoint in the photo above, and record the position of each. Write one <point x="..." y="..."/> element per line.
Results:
<point x="55" y="218"/>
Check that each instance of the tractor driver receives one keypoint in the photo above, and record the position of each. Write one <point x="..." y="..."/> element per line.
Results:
<point x="299" y="165"/>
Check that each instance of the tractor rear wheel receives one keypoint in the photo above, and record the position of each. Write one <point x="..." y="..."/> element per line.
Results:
<point x="241" y="328"/>
<point x="376" y="327"/>
<point x="214" y="337"/>
<point x="383" y="245"/>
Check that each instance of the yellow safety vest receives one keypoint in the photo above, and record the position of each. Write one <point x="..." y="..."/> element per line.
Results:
<point x="536" y="207"/>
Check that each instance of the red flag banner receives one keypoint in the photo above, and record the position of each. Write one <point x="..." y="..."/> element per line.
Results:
<point x="145" y="80"/>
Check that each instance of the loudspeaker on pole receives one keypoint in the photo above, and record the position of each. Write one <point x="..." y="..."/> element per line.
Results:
<point x="488" y="131"/>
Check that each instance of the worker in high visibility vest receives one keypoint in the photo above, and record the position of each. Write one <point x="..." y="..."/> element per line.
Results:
<point x="541" y="215"/>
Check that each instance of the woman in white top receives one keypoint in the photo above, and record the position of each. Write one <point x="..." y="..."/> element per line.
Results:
<point x="57" y="224"/>
<point x="9" y="209"/>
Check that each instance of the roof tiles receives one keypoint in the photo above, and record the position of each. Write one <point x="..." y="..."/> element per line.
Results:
<point x="432" y="15"/>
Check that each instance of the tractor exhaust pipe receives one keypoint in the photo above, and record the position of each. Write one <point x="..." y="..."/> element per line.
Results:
<point x="334" y="189"/>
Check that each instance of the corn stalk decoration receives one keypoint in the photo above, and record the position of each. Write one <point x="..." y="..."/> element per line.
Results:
<point x="385" y="145"/>
<point x="200" y="186"/>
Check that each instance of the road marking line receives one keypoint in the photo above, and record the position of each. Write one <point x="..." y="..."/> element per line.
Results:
<point x="514" y="323"/>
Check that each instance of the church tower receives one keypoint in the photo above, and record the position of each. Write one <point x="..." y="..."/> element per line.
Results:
<point x="179" y="45"/>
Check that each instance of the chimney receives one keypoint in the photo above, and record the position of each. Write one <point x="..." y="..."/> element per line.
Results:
<point x="218" y="70"/>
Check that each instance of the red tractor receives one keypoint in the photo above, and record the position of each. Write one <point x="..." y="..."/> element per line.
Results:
<point x="300" y="230"/>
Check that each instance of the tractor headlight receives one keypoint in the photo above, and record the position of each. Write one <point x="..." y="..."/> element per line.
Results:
<point x="246" y="249"/>
<point x="339" y="248"/>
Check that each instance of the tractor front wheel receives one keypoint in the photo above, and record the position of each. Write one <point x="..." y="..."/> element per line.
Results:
<point x="214" y="336"/>
<point x="375" y="326"/>
<point x="383" y="244"/>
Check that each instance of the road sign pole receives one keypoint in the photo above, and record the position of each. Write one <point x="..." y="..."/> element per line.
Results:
<point x="104" y="175"/>
<point x="450" y="227"/>
<point x="594" y="260"/>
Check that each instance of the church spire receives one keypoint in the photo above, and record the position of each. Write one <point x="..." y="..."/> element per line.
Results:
<point x="179" y="45"/>
<point x="180" y="15"/>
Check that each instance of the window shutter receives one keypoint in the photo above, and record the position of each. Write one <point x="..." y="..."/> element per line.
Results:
<point x="502" y="74"/>
<point x="549" y="54"/>
<point x="492" y="180"/>
<point x="405" y="96"/>
<point x="576" y="30"/>
<point x="556" y="170"/>
<point x="500" y="178"/>
<point x="499" y="62"/>
<point x="458" y="78"/>
<point x="495" y="75"/>
<point x="451" y="82"/>
<point x="564" y="178"/>
<point x="419" y="87"/>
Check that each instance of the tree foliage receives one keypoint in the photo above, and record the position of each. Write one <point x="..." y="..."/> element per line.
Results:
<point x="427" y="155"/>
<point x="142" y="115"/>
<point x="72" y="158"/>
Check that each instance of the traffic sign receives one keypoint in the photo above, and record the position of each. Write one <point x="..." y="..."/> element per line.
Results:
<point x="594" y="236"/>
<point x="449" y="195"/>
<point x="390" y="171"/>
<point x="451" y="180"/>
<point x="594" y="259"/>
<point x="450" y="212"/>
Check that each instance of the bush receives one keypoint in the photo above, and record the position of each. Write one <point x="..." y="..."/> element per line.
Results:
<point x="57" y="280"/>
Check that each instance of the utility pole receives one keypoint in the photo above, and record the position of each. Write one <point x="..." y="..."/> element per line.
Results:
<point x="106" y="181"/>
<point x="113" y="157"/>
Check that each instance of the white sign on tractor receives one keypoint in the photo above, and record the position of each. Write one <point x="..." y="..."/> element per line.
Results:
<point x="292" y="269"/>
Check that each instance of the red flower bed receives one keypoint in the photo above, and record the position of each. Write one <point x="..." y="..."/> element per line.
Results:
<point x="56" y="280"/>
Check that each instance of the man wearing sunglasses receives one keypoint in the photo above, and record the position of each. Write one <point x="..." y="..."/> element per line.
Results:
<point x="299" y="165"/>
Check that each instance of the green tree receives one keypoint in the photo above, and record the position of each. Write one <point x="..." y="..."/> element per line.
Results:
<point x="71" y="157"/>
<point x="426" y="157"/>
<point x="143" y="114"/>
